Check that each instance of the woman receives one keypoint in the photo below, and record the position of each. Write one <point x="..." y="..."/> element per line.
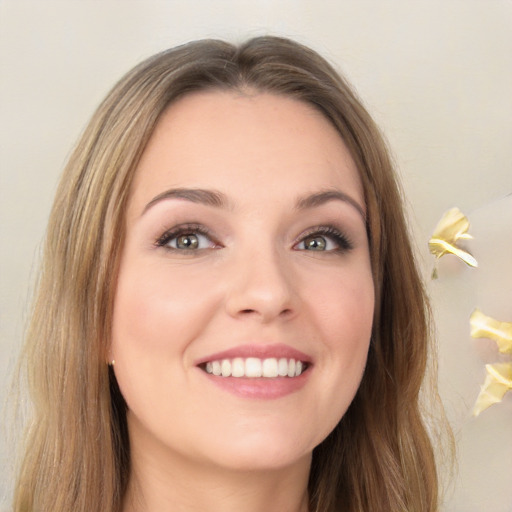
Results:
<point x="229" y="313"/>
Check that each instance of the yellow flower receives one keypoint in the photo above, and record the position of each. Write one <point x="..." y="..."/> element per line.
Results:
<point x="483" y="326"/>
<point x="497" y="382"/>
<point x="452" y="227"/>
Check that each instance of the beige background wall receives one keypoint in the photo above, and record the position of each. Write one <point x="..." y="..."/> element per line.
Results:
<point x="437" y="75"/>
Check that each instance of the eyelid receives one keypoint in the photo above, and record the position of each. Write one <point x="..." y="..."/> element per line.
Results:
<point x="183" y="229"/>
<point x="342" y="240"/>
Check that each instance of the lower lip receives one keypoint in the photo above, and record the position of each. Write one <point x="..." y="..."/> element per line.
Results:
<point x="260" y="388"/>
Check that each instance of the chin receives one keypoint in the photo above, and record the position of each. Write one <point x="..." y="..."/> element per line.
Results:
<point x="249" y="450"/>
<point x="257" y="459"/>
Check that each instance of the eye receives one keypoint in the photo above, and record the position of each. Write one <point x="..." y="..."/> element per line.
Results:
<point x="316" y="243"/>
<point x="324" y="239"/>
<point x="187" y="239"/>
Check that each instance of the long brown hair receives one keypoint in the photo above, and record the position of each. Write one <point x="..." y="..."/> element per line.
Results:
<point x="378" y="458"/>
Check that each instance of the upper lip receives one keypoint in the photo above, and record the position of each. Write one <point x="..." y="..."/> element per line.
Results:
<point x="260" y="351"/>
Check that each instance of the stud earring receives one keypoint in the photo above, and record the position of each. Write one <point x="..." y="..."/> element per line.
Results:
<point x="112" y="363"/>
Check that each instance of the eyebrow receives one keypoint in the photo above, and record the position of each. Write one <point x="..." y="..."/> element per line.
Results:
<point x="194" y="195"/>
<point x="217" y="199"/>
<point x="320" y="198"/>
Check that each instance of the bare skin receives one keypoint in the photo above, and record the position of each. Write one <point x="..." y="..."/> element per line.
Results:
<point x="245" y="244"/>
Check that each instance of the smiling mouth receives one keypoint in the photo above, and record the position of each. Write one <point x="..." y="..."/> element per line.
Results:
<point x="253" y="367"/>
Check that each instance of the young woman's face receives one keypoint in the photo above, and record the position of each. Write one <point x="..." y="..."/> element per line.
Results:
<point x="245" y="298"/>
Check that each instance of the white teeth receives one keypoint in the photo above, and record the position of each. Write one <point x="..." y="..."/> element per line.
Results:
<point x="238" y="367"/>
<point x="270" y="367"/>
<point x="253" y="367"/>
<point x="282" y="368"/>
<point x="291" y="368"/>
<point x="216" y="370"/>
<point x="225" y="368"/>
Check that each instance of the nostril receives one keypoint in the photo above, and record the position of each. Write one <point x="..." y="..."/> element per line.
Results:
<point x="260" y="299"/>
<point x="250" y="312"/>
<point x="284" y="312"/>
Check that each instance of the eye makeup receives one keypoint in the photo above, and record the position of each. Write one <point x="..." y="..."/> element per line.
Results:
<point x="189" y="238"/>
<point x="340" y="241"/>
<point x="194" y="237"/>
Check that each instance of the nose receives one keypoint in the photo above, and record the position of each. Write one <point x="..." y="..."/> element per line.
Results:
<point x="261" y="288"/>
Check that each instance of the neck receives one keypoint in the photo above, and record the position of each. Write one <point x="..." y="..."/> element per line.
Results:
<point x="185" y="486"/>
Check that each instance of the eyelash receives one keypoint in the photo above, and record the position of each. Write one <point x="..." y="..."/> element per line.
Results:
<point x="183" y="229"/>
<point x="340" y="239"/>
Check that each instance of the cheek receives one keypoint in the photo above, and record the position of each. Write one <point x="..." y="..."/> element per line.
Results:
<point x="158" y="313"/>
<point x="343" y="315"/>
<point x="156" y="305"/>
<point x="345" y="307"/>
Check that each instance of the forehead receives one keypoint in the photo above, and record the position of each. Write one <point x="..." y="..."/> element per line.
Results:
<point x="245" y="142"/>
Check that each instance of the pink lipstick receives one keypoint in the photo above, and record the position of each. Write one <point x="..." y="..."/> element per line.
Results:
<point x="258" y="371"/>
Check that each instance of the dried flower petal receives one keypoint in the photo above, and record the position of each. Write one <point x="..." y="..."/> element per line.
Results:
<point x="483" y="326"/>
<point x="452" y="227"/>
<point x="497" y="382"/>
